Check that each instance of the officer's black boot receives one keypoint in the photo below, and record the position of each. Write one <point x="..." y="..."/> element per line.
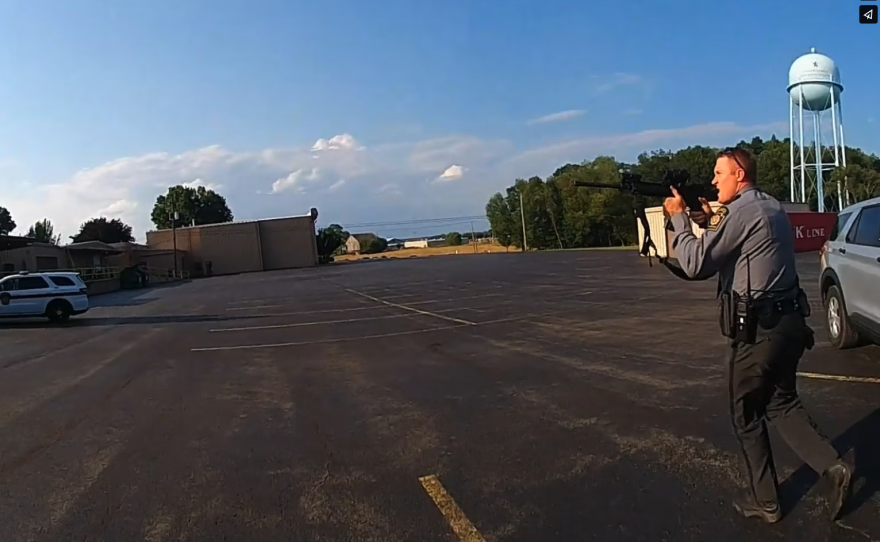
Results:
<point x="839" y="476"/>
<point x="747" y="507"/>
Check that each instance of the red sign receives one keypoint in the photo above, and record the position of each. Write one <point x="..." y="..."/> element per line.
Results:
<point x="811" y="230"/>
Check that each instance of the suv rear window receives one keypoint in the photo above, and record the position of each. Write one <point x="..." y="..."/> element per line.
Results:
<point x="62" y="281"/>
<point x="838" y="225"/>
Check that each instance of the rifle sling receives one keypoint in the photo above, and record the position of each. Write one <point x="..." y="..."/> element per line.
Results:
<point x="648" y="244"/>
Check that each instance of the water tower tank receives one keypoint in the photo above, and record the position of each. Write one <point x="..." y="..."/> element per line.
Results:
<point x="817" y="77"/>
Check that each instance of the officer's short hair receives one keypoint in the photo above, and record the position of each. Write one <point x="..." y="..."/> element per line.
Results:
<point x="744" y="159"/>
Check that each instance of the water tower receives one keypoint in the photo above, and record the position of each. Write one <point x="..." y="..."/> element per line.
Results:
<point x="814" y="88"/>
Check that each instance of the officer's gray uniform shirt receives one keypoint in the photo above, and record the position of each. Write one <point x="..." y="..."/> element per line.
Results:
<point x="753" y="227"/>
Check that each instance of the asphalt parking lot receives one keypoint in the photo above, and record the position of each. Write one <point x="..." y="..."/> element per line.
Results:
<point x="513" y="397"/>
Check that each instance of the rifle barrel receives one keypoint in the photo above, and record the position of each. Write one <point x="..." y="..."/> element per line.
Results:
<point x="585" y="184"/>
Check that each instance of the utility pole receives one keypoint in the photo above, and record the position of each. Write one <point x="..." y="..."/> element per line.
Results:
<point x="174" y="216"/>
<point x="522" y="215"/>
<point x="473" y="237"/>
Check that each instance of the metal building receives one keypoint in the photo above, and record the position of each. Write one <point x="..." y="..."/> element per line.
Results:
<point x="242" y="247"/>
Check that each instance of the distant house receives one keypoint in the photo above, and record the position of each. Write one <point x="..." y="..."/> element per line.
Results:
<point x="357" y="240"/>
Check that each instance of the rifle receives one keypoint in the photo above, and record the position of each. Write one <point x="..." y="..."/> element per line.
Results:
<point x="639" y="189"/>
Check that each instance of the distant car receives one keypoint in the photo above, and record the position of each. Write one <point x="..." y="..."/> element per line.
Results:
<point x="54" y="295"/>
<point x="850" y="275"/>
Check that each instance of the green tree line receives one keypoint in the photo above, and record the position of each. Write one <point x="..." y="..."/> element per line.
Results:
<point x="559" y="215"/>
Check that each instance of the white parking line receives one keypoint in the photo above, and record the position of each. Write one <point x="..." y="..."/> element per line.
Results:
<point x="841" y="378"/>
<point x="404" y="307"/>
<point x="453" y="299"/>
<point x="379" y="335"/>
<point x="478" y="308"/>
<point x="320" y="311"/>
<point x="255" y="307"/>
<point x="304" y="324"/>
<point x="323" y="341"/>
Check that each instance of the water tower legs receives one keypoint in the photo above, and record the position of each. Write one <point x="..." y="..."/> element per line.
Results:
<point x="808" y="173"/>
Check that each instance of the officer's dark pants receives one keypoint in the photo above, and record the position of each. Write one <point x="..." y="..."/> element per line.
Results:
<point x="762" y="388"/>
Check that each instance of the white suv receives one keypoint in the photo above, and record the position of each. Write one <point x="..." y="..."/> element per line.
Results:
<point x="54" y="295"/>
<point x="849" y="275"/>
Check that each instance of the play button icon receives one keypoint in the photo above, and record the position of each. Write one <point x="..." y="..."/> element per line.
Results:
<point x="868" y="14"/>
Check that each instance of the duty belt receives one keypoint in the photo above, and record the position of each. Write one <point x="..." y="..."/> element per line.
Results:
<point x="778" y="306"/>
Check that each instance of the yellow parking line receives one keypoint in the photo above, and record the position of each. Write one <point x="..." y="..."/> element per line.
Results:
<point x="460" y="524"/>
<point x="841" y="378"/>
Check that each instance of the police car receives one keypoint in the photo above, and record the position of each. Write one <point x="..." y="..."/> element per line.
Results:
<point x="850" y="276"/>
<point x="53" y="295"/>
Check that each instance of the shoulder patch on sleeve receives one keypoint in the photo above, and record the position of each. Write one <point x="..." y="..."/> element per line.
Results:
<point x="717" y="219"/>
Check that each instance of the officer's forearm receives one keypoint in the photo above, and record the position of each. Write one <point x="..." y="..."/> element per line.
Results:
<point x="689" y="250"/>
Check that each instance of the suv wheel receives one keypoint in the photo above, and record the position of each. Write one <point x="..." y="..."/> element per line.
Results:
<point x="840" y="330"/>
<point x="59" y="311"/>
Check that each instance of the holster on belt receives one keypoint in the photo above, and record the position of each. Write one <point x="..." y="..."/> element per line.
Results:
<point x="770" y="312"/>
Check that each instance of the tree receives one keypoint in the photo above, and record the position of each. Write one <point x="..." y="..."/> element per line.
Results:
<point x="374" y="246"/>
<point x="106" y="231"/>
<point x="863" y="182"/>
<point x="453" y="239"/>
<point x="197" y="206"/>
<point x="7" y="225"/>
<point x="330" y="240"/>
<point x="44" y="232"/>
<point x="500" y="218"/>
<point x="559" y="214"/>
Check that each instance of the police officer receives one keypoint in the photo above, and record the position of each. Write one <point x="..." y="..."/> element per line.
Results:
<point x="749" y="243"/>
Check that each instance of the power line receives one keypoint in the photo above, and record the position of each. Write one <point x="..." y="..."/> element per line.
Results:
<point x="434" y="227"/>
<point x="420" y="221"/>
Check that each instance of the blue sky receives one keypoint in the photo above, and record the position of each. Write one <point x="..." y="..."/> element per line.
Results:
<point x="105" y="104"/>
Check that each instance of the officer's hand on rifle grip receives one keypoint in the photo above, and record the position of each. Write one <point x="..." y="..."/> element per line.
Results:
<point x="702" y="216"/>
<point x="674" y="205"/>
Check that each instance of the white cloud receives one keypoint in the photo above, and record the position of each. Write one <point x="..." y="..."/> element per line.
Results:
<point x="451" y="173"/>
<point x="200" y="182"/>
<point x="118" y="208"/>
<point x="382" y="181"/>
<point x="294" y="181"/>
<point x="340" y="142"/>
<point x="557" y="117"/>
<point x="616" y="80"/>
<point x="539" y="160"/>
<point x="390" y="188"/>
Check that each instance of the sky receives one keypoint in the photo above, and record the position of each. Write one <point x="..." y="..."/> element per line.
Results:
<point x="392" y="111"/>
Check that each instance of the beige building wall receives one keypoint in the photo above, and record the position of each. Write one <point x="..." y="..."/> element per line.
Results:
<point x="288" y="243"/>
<point x="187" y="239"/>
<point x="231" y="248"/>
<point x="242" y="247"/>
<point x="162" y="259"/>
